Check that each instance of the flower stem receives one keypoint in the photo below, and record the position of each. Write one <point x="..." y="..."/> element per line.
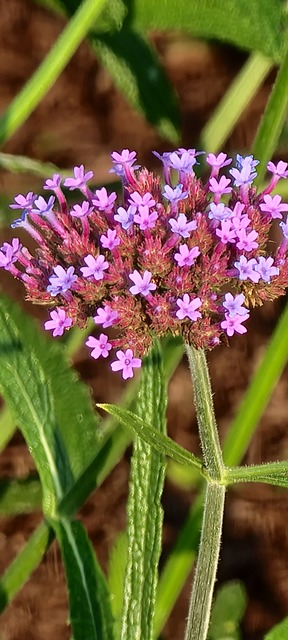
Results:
<point x="202" y="592"/>
<point x="208" y="433"/>
<point x="203" y="586"/>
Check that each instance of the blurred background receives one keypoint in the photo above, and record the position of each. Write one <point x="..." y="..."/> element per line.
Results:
<point x="81" y="120"/>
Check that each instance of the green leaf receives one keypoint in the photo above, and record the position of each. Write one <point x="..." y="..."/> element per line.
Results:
<point x="55" y="61"/>
<point x="158" y="441"/>
<point x="49" y="404"/>
<point x="24" y="564"/>
<point x="237" y="97"/>
<point x="272" y="120"/>
<point x="250" y="25"/>
<point x="137" y="73"/>
<point x="20" y="496"/>
<point x="144" y="510"/>
<point x="115" y="577"/>
<point x="279" y="632"/>
<point x="227" y="613"/>
<point x="89" y="601"/>
<point x="275" y="473"/>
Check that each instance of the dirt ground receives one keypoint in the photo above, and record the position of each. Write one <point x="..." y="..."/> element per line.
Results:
<point x="82" y="119"/>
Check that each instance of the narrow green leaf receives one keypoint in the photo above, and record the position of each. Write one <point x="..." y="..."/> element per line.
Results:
<point x="137" y="73"/>
<point x="20" y="496"/>
<point x="49" y="404"/>
<point x="250" y="25"/>
<point x="227" y="613"/>
<point x="23" y="164"/>
<point x="279" y="632"/>
<point x="272" y="121"/>
<point x="7" y="427"/>
<point x="115" y="577"/>
<point x="158" y="441"/>
<point x="46" y="74"/>
<point x="144" y="510"/>
<point x="89" y="603"/>
<point x="235" y="100"/>
<point x="275" y="473"/>
<point x="24" y="564"/>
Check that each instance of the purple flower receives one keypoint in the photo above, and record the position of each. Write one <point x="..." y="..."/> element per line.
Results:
<point x="220" y="187"/>
<point x="183" y="162"/>
<point x="241" y="222"/>
<point x="188" y="308"/>
<point x="233" y="324"/>
<point x="145" y="201"/>
<point x="126" y="363"/>
<point x="186" y="257"/>
<point x="42" y="207"/>
<point x="266" y="269"/>
<point x="9" y="253"/>
<point x="181" y="226"/>
<point x="99" y="347"/>
<point x="174" y="195"/>
<point x="110" y="241"/>
<point x="142" y="284"/>
<point x="145" y="219"/>
<point x="59" y="322"/>
<point x="24" y="202"/>
<point x="80" y="178"/>
<point x="273" y="206"/>
<point x="125" y="218"/>
<point x="226" y="233"/>
<point x="245" y="176"/>
<point x="233" y="304"/>
<point x="246" y="269"/>
<point x="62" y="281"/>
<point x="244" y="161"/>
<point x="106" y="316"/>
<point x="219" y="211"/>
<point x="246" y="242"/>
<point x="81" y="210"/>
<point x="279" y="170"/>
<point x="123" y="162"/>
<point x="217" y="162"/>
<point x="95" y="267"/>
<point x="104" y="202"/>
<point x="284" y="227"/>
<point x="53" y="183"/>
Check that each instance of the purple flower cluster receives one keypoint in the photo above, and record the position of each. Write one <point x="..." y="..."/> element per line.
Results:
<point x="184" y="257"/>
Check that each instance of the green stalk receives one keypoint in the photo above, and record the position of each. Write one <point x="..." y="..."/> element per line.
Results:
<point x="212" y="454"/>
<point x="209" y="549"/>
<point x="235" y="100"/>
<point x="46" y="74"/>
<point x="204" y="580"/>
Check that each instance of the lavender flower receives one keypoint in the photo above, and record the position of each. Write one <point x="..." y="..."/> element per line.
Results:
<point x="80" y="178"/>
<point x="99" y="347"/>
<point x="106" y="316"/>
<point x="126" y="363"/>
<point x="124" y="262"/>
<point x="142" y="284"/>
<point x="95" y="267"/>
<point x="111" y="240"/>
<point x="59" y="322"/>
<point x="186" y="257"/>
<point x="103" y="201"/>
<point x="188" y="308"/>
<point x="125" y="218"/>
<point x="233" y="324"/>
<point x="182" y="226"/>
<point x="62" y="281"/>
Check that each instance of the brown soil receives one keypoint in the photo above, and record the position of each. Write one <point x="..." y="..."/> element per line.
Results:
<point x="81" y="120"/>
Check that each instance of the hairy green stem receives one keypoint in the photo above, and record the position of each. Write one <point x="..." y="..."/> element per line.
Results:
<point x="204" y="580"/>
<point x="212" y="454"/>
<point x="203" y="586"/>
